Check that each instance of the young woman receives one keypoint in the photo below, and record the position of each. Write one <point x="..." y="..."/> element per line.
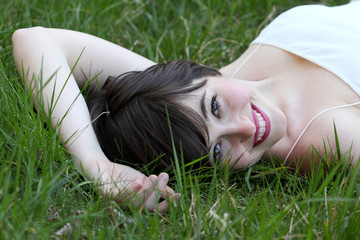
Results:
<point x="282" y="98"/>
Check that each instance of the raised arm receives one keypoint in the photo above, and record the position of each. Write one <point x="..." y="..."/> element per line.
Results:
<point x="46" y="57"/>
<point x="97" y="55"/>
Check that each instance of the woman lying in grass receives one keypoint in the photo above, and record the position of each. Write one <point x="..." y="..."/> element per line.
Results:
<point x="281" y="98"/>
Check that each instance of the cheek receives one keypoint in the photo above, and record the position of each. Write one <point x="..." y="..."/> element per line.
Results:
<point x="234" y="89"/>
<point x="240" y="162"/>
<point x="244" y="160"/>
<point x="236" y="94"/>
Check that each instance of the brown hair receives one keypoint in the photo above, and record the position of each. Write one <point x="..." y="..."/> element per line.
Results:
<point x="132" y="112"/>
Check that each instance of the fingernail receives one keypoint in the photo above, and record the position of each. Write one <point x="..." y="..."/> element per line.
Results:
<point x="153" y="178"/>
<point x="164" y="177"/>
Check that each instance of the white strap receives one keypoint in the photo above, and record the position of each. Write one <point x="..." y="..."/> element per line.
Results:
<point x="317" y="115"/>
<point x="246" y="59"/>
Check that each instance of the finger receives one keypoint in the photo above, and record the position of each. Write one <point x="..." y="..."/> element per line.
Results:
<point x="162" y="184"/>
<point x="168" y="192"/>
<point x="146" y="191"/>
<point x="175" y="197"/>
<point x="124" y="190"/>
<point x="153" y="199"/>
<point x="171" y="198"/>
<point x="129" y="192"/>
<point x="149" y="197"/>
<point x="163" y="207"/>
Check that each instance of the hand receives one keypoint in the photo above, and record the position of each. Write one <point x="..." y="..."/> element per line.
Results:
<point x="130" y="187"/>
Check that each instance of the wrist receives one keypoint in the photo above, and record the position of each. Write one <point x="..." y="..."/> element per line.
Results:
<point x="91" y="162"/>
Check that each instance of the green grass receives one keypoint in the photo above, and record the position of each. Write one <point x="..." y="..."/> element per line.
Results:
<point x="41" y="191"/>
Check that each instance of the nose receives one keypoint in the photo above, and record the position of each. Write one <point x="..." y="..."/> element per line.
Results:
<point x="242" y="128"/>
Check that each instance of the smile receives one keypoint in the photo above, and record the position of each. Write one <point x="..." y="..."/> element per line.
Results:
<point x="262" y="124"/>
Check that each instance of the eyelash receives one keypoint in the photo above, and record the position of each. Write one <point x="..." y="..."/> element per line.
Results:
<point x="217" y="152"/>
<point x="215" y="110"/>
<point x="215" y="104"/>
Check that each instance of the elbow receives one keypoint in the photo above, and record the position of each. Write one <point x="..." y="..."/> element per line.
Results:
<point x="27" y="38"/>
<point x="22" y="37"/>
<point x="22" y="34"/>
<point x="17" y="36"/>
<point x="24" y="42"/>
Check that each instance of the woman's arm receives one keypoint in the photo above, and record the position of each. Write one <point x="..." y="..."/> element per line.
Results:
<point x="96" y="56"/>
<point x="45" y="59"/>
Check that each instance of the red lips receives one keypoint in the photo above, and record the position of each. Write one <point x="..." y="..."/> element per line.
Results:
<point x="256" y="121"/>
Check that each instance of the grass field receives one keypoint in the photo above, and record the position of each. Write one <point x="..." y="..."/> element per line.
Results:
<point x="41" y="191"/>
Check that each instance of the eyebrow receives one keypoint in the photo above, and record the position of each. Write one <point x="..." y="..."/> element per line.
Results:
<point x="203" y="107"/>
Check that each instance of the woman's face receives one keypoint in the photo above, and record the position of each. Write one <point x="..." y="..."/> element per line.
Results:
<point x="241" y="123"/>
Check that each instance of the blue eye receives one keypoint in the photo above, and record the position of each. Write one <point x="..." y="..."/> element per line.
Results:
<point x="217" y="151"/>
<point x="214" y="107"/>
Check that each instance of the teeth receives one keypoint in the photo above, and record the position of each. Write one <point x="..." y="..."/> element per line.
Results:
<point x="261" y="124"/>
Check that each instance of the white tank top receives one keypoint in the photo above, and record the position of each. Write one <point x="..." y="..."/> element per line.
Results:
<point x="326" y="36"/>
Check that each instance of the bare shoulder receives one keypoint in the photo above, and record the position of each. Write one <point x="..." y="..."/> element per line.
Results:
<point x="339" y="128"/>
<point x="348" y="131"/>
<point x="270" y="59"/>
<point x="328" y="132"/>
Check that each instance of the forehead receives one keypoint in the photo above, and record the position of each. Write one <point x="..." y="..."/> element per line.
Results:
<point x="199" y="98"/>
<point x="194" y="98"/>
